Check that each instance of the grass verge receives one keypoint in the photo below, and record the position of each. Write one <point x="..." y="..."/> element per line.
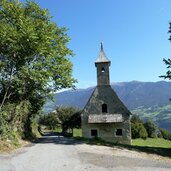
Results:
<point x="157" y="146"/>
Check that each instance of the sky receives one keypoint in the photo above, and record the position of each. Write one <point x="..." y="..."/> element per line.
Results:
<point x="134" y="35"/>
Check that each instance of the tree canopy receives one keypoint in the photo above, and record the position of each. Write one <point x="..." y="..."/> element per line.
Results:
<point x="69" y="117"/>
<point x="33" y="52"/>
<point x="34" y="57"/>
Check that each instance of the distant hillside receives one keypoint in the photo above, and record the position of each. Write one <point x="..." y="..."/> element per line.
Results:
<point x="160" y="114"/>
<point x="139" y="97"/>
<point x="133" y="94"/>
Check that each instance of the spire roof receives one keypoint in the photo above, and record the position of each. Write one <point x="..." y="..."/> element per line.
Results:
<point x="102" y="56"/>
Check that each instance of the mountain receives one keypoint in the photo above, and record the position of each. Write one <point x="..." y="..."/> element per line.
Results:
<point x="147" y="99"/>
<point x="134" y="94"/>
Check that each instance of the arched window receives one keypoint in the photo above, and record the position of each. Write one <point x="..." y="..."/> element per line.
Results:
<point x="104" y="108"/>
<point x="102" y="70"/>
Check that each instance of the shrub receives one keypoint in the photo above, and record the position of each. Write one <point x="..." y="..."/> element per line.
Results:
<point x="50" y="120"/>
<point x="151" y="128"/>
<point x="138" y="131"/>
<point x="165" y="134"/>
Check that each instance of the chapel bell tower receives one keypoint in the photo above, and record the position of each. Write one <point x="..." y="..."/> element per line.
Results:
<point x="105" y="116"/>
<point x="102" y="64"/>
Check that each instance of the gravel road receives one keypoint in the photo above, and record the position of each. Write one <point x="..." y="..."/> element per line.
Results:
<point x="58" y="153"/>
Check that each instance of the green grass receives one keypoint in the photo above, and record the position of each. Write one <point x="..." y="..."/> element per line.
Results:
<point x="152" y="142"/>
<point x="58" y="129"/>
<point x="157" y="146"/>
<point x="77" y="133"/>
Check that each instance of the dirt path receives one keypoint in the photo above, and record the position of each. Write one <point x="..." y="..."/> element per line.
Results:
<point x="57" y="153"/>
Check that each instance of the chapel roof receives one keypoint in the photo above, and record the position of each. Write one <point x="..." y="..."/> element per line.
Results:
<point x="102" y="56"/>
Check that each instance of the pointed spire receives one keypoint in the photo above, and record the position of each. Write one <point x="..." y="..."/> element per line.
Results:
<point x="102" y="57"/>
<point x="101" y="46"/>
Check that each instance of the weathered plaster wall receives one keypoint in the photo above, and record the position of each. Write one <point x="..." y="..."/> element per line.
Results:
<point x="106" y="131"/>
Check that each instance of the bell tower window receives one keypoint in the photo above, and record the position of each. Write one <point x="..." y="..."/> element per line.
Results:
<point x="104" y="108"/>
<point x="102" y="64"/>
<point x="102" y="70"/>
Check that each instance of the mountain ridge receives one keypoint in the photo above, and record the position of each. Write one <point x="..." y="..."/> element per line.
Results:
<point x="133" y="94"/>
<point x="138" y="96"/>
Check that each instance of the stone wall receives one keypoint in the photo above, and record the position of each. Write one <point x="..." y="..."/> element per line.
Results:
<point x="106" y="131"/>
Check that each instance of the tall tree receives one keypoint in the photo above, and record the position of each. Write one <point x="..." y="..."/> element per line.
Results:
<point x="34" y="57"/>
<point x="33" y="52"/>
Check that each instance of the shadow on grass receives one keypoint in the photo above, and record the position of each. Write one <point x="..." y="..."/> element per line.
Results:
<point x="165" y="152"/>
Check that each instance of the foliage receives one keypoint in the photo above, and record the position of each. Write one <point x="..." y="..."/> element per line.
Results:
<point x="136" y="119"/>
<point x="69" y="117"/>
<point x="137" y="128"/>
<point x="33" y="63"/>
<point x="50" y="120"/>
<point x="151" y="128"/>
<point x="75" y="120"/>
<point x="159" y="114"/>
<point x="165" y="134"/>
<point x="138" y="131"/>
<point x="168" y="62"/>
<point x="13" y="118"/>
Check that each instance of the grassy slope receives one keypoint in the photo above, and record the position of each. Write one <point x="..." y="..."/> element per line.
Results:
<point x="164" y="112"/>
<point x="152" y="142"/>
<point x="160" y="114"/>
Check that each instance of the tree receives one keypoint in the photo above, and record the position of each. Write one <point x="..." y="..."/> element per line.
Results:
<point x="138" y="131"/>
<point x="34" y="59"/>
<point x="50" y="120"/>
<point x="136" y="119"/>
<point x="137" y="128"/>
<point x="69" y="117"/>
<point x="151" y="128"/>
<point x="165" y="134"/>
<point x="168" y="61"/>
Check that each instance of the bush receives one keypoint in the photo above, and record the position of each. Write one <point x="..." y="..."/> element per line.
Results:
<point x="151" y="128"/>
<point x="50" y="120"/>
<point x="69" y="117"/>
<point x="136" y="119"/>
<point x="165" y="134"/>
<point x="138" y="131"/>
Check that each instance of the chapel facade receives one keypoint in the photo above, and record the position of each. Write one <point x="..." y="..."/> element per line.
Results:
<point x="105" y="116"/>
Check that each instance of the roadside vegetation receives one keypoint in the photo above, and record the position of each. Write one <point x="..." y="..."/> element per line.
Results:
<point x="34" y="63"/>
<point x="64" y="120"/>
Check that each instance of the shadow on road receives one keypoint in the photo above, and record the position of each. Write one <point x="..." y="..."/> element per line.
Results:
<point x="57" y="138"/>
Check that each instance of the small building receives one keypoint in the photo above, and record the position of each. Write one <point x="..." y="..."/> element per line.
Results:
<point x="105" y="116"/>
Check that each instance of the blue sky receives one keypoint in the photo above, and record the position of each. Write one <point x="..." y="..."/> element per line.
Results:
<point x="134" y="34"/>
